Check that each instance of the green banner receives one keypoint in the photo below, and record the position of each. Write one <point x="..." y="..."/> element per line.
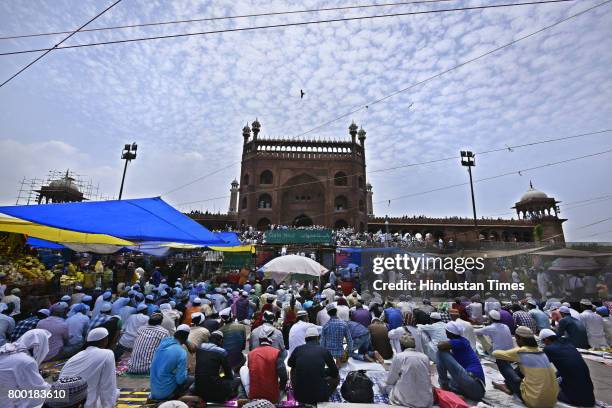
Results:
<point x="297" y="236"/>
<point x="237" y="260"/>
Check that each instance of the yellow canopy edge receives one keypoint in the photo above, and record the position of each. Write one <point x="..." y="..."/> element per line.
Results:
<point x="19" y="226"/>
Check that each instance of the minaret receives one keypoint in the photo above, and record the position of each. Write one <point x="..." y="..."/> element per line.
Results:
<point x="362" y="136"/>
<point x="233" y="207"/>
<point x="256" y="128"/>
<point x="369" y="201"/>
<point x="353" y="132"/>
<point x="246" y="133"/>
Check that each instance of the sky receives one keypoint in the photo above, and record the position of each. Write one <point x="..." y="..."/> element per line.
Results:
<point x="185" y="100"/>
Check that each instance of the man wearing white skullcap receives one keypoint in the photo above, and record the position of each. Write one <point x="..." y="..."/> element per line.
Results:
<point x="457" y="358"/>
<point x="56" y="325"/>
<point x="95" y="365"/>
<point x="432" y="334"/>
<point x="169" y="378"/>
<point x="19" y="363"/>
<point x="572" y="371"/>
<point x="499" y="333"/>
<point x="129" y="331"/>
<point x="537" y="385"/>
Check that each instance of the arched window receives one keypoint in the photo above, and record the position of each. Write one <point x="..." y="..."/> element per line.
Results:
<point x="361" y="205"/>
<point x="266" y="177"/>
<point x="340" y="179"/>
<point x="245" y="179"/>
<point x="340" y="224"/>
<point x="264" y="201"/>
<point x="341" y="203"/>
<point x="244" y="203"/>
<point x="263" y="224"/>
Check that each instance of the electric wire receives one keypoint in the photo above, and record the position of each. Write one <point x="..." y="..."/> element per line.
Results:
<point x="283" y="25"/>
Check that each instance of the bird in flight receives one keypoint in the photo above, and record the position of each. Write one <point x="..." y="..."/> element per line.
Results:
<point x="302" y="93"/>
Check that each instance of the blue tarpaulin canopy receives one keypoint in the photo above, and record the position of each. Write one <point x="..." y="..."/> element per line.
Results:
<point x="41" y="243"/>
<point x="145" y="219"/>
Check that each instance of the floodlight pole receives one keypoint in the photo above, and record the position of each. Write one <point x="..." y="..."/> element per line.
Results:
<point x="128" y="154"/>
<point x="469" y="160"/>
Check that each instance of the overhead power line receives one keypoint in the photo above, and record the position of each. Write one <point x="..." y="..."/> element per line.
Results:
<point x="56" y="46"/>
<point x="406" y="165"/>
<point x="301" y="23"/>
<point x="453" y="68"/>
<point x="197" y="20"/>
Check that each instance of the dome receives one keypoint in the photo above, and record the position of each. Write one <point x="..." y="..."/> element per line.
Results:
<point x="533" y="193"/>
<point x="65" y="183"/>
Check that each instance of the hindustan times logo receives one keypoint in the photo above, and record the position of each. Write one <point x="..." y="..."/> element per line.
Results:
<point x="411" y="264"/>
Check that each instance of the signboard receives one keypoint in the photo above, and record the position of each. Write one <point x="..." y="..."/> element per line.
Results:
<point x="298" y="236"/>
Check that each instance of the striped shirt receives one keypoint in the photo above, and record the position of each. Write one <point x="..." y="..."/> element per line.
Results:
<point x="147" y="339"/>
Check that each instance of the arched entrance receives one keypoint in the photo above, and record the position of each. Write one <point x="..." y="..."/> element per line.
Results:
<point x="340" y="224"/>
<point x="302" y="220"/>
<point x="301" y="195"/>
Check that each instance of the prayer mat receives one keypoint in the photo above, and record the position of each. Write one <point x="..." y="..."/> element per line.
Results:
<point x="377" y="377"/>
<point x="52" y="368"/>
<point x="129" y="397"/>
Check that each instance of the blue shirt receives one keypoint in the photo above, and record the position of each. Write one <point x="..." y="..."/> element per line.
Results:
<point x="393" y="317"/>
<point x="332" y="335"/>
<point x="357" y="329"/>
<point x="168" y="368"/>
<point x="78" y="325"/>
<point x="466" y="357"/>
<point x="541" y="319"/>
<point x="118" y="305"/>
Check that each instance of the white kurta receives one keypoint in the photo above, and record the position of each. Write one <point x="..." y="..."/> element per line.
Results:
<point x="97" y="367"/>
<point x="19" y="371"/>
<point x="595" y="329"/>
<point x="409" y="380"/>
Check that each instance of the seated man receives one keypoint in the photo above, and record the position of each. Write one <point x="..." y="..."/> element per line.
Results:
<point x="147" y="339"/>
<point x="576" y="385"/>
<point x="432" y="334"/>
<point x="210" y="360"/>
<point x="334" y="332"/>
<point x="169" y="379"/>
<point x="234" y="339"/>
<point x="265" y="374"/>
<point x="534" y="381"/>
<point x="362" y="346"/>
<point x="95" y="365"/>
<point x="499" y="333"/>
<point x="312" y="382"/>
<point x="457" y="358"/>
<point x="409" y="377"/>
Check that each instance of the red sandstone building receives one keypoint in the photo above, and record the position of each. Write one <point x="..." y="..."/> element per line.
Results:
<point x="316" y="182"/>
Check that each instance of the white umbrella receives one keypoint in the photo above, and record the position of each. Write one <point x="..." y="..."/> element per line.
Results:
<point x="294" y="266"/>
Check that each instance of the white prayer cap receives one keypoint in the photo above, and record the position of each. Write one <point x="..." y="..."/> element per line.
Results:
<point x="436" y="316"/>
<point x="106" y="307"/>
<point x="183" y="327"/>
<point x="532" y="302"/>
<point x="196" y="314"/>
<point x="225" y="312"/>
<point x="107" y="295"/>
<point x="311" y="332"/>
<point x="165" y="306"/>
<point x="564" y="309"/>
<point x="173" y="404"/>
<point x="141" y="307"/>
<point x="65" y="298"/>
<point x="494" y="315"/>
<point x="44" y="311"/>
<point x="197" y="301"/>
<point x="454" y="328"/>
<point x="546" y="333"/>
<point x="586" y="302"/>
<point x="97" y="334"/>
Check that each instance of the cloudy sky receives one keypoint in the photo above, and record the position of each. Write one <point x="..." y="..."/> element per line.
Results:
<point x="186" y="100"/>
